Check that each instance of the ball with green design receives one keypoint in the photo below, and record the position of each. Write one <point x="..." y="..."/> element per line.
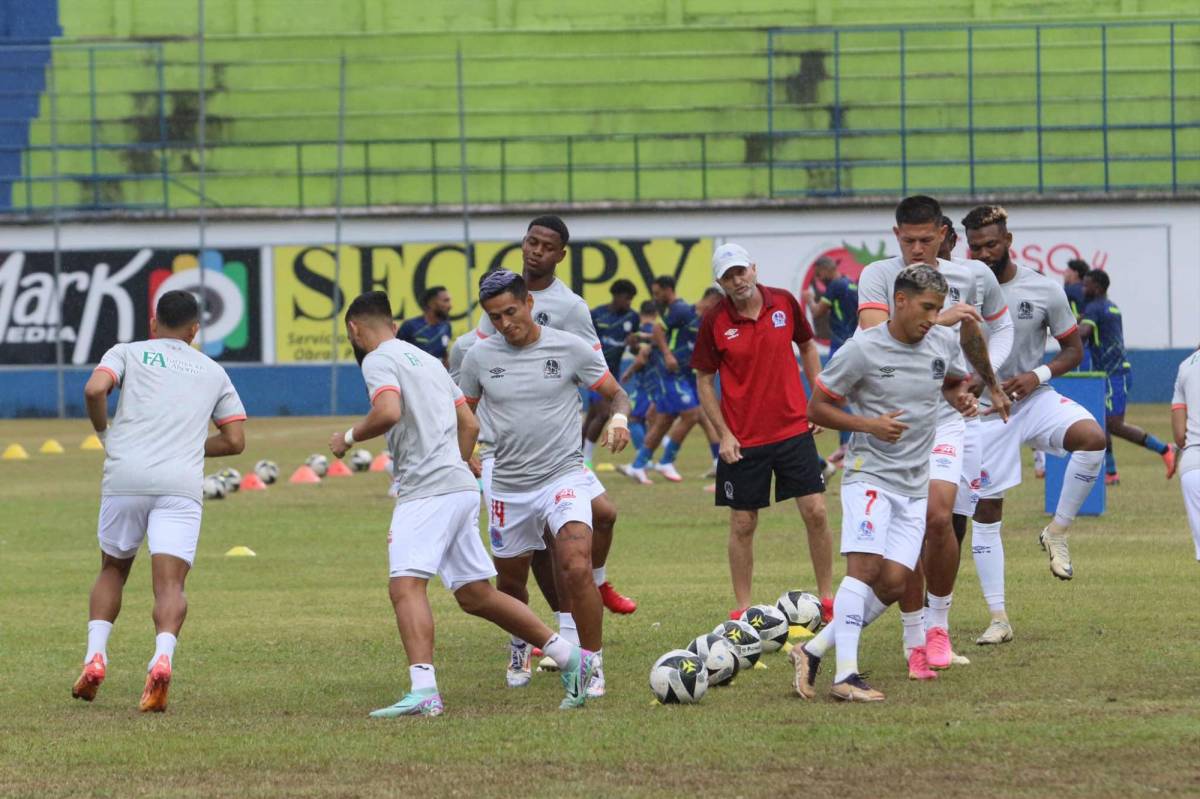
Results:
<point x="718" y="657"/>
<point x="747" y="644"/>
<point x="770" y="624"/>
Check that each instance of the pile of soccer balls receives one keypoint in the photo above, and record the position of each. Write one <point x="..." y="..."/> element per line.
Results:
<point x="228" y="480"/>
<point x="683" y="676"/>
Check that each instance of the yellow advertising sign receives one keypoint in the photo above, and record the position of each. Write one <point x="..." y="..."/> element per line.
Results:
<point x="304" y="287"/>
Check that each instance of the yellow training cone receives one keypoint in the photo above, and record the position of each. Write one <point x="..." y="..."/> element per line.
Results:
<point x="796" y="631"/>
<point x="92" y="442"/>
<point x="760" y="666"/>
<point x="15" y="452"/>
<point x="51" y="447"/>
<point x="240" y="552"/>
<point x="606" y="467"/>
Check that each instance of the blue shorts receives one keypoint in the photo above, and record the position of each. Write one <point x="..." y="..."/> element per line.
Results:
<point x="678" y="393"/>
<point x="1118" y="386"/>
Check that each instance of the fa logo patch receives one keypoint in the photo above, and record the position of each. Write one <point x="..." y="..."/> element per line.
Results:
<point x="552" y="371"/>
<point x="939" y="369"/>
<point x="728" y="490"/>
<point x="779" y="319"/>
<point x="1025" y="310"/>
<point x="542" y="318"/>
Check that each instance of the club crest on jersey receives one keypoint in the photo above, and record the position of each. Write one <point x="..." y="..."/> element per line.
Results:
<point x="954" y="294"/>
<point x="779" y="319"/>
<point x="552" y="370"/>
<point x="542" y="318"/>
<point x="939" y="369"/>
<point x="1025" y="310"/>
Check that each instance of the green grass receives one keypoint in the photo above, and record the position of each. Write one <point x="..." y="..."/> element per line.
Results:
<point x="283" y="655"/>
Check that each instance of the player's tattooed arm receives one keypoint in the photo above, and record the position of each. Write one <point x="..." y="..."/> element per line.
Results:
<point x="617" y="435"/>
<point x="970" y="336"/>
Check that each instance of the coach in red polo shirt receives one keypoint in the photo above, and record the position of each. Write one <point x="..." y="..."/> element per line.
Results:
<point x="762" y="414"/>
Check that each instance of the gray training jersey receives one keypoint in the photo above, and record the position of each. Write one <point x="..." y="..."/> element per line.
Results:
<point x="989" y="298"/>
<point x="879" y="374"/>
<point x="458" y="351"/>
<point x="533" y="401"/>
<point x="558" y="307"/>
<point x="169" y="394"/>
<point x="426" y="461"/>
<point x="1187" y="396"/>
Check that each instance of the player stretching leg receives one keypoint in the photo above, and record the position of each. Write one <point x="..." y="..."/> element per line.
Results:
<point x="153" y="473"/>
<point x="1040" y="417"/>
<point x="894" y="375"/>
<point x="919" y="232"/>
<point x="532" y="372"/>
<point x="1185" y="428"/>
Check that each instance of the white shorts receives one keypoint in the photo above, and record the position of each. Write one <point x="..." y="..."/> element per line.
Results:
<point x="488" y="465"/>
<point x="969" y="485"/>
<point x="1189" y="482"/>
<point x="516" y="521"/>
<point x="880" y="522"/>
<point x="170" y="523"/>
<point x="1041" y="421"/>
<point x="439" y="535"/>
<point x="946" y="459"/>
<point x="594" y="487"/>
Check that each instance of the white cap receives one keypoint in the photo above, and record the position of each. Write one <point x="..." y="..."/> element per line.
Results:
<point x="728" y="256"/>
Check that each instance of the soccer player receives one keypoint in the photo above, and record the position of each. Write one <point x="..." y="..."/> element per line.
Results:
<point x="919" y="232"/>
<point x="153" y="473"/>
<point x="1077" y="268"/>
<point x="895" y="375"/>
<point x="434" y="528"/>
<point x="641" y="381"/>
<point x="1101" y="325"/>
<point x="431" y="330"/>
<point x="1040" y="416"/>
<point x="616" y="324"/>
<point x="1185" y="427"/>
<point x="839" y="302"/>
<point x="761" y="415"/>
<point x="531" y="372"/>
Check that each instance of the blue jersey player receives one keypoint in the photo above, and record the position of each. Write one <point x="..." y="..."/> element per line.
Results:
<point x="839" y="302"/>
<point x="1102" y="329"/>
<point x="431" y="330"/>
<point x="616" y="324"/>
<point x="1073" y="288"/>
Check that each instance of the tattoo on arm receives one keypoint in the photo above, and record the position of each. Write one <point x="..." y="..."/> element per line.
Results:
<point x="974" y="347"/>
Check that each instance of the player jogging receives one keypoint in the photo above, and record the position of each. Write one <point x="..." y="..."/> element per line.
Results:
<point x="1041" y="417"/>
<point x="1185" y="428"/>
<point x="894" y="375"/>
<point x="528" y="376"/>
<point x="153" y="473"/>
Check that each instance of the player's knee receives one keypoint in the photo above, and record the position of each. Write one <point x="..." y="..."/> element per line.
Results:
<point x="473" y="597"/>
<point x="939" y="522"/>
<point x="889" y="585"/>
<point x="742" y="526"/>
<point x="814" y="514"/>
<point x="604" y="513"/>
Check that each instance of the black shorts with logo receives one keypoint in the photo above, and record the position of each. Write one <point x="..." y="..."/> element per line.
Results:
<point x="746" y="485"/>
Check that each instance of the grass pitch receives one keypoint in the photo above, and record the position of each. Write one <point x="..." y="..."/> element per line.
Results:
<point x="284" y="654"/>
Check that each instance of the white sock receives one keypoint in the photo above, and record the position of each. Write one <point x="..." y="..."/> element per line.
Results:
<point x="988" y="550"/>
<point x="875" y="608"/>
<point x="422" y="676"/>
<point x="566" y="628"/>
<point x="98" y="631"/>
<point x="559" y="649"/>
<point x="599" y="576"/>
<point x="164" y="644"/>
<point x="588" y="448"/>
<point x="1082" y="471"/>
<point x="849" y="608"/>
<point x="938" y="614"/>
<point x="820" y="643"/>
<point x="914" y="630"/>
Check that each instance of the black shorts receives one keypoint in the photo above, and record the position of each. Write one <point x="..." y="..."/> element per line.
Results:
<point x="746" y="485"/>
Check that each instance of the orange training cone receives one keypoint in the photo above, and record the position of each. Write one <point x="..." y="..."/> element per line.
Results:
<point x="304" y="474"/>
<point x="382" y="463"/>
<point x="338" y="469"/>
<point x="252" y="482"/>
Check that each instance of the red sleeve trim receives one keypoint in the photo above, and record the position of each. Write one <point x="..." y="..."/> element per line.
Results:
<point x="470" y="399"/>
<point x="872" y="306"/>
<point x="821" y="385"/>
<point x="997" y="315"/>
<point x="480" y="333"/>
<point x="1179" y="406"/>
<point x="460" y="401"/>
<point x="607" y="374"/>
<point x="237" y="417"/>
<point x="382" y="389"/>
<point x="597" y="346"/>
<point x="1061" y="336"/>
<point x="110" y="373"/>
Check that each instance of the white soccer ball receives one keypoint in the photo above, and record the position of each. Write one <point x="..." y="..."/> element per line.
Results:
<point x="360" y="460"/>
<point x="267" y="471"/>
<point x="802" y="608"/>
<point x="679" y="677"/>
<point x="770" y="624"/>
<point x="747" y="645"/>
<point x="232" y="478"/>
<point x="718" y="657"/>
<point x="319" y="464"/>
<point x="214" y="487"/>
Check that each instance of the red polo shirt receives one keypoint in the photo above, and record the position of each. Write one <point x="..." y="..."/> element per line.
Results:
<point x="762" y="398"/>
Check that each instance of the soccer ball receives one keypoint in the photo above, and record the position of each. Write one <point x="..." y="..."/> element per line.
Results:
<point x="232" y="478"/>
<point x="360" y="460"/>
<point x="802" y="608"/>
<point x="747" y="644"/>
<point x="319" y="464"/>
<point x="267" y="471"/>
<point x="679" y="677"/>
<point x="214" y="487"/>
<point x="718" y="657"/>
<point x="770" y="624"/>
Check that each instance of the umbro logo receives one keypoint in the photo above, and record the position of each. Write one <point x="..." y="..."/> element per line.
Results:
<point x="731" y="333"/>
<point x="887" y="371"/>
<point x="496" y="371"/>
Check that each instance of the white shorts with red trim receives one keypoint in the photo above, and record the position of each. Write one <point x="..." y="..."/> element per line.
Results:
<point x="516" y="521"/>
<point x="439" y="535"/>
<point x="946" y="458"/>
<point x="876" y="521"/>
<point x="970" y="484"/>
<point x="170" y="523"/>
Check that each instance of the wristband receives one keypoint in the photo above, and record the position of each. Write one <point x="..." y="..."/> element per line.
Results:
<point x="1043" y="374"/>
<point x="619" y="421"/>
<point x="349" y="437"/>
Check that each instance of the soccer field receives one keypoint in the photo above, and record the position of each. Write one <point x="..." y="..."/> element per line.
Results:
<point x="284" y="654"/>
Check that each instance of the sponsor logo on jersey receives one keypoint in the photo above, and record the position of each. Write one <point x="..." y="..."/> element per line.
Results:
<point x="552" y="369"/>
<point x="945" y="449"/>
<point x="563" y="493"/>
<point x="542" y="318"/>
<point x="1025" y="310"/>
<point x="731" y="333"/>
<point x="779" y="319"/>
<point x="939" y="369"/>
<point x="496" y="372"/>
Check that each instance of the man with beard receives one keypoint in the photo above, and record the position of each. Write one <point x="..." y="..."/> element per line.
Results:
<point x="431" y="330"/>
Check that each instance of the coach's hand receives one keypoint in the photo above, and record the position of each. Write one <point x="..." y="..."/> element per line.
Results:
<point x="1019" y="387"/>
<point x="887" y="427"/>
<point x="957" y="313"/>
<point x="337" y="444"/>
<point x="731" y="450"/>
